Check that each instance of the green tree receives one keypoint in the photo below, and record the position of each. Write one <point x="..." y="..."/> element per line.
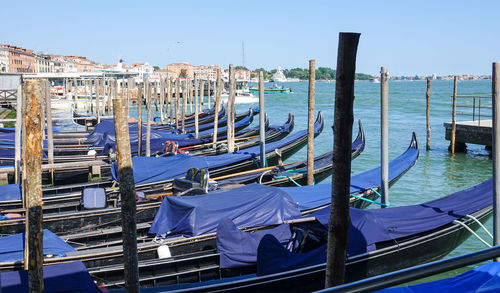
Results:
<point x="183" y="73"/>
<point x="156" y="67"/>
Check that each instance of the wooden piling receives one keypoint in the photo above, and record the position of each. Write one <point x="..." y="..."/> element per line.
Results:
<point x="162" y="98"/>
<point x="191" y="97"/>
<point x="230" y="110"/>
<point x="196" y="108"/>
<point x="111" y="93"/>
<point x="127" y="193"/>
<point x="262" y="127"/>
<point x="32" y="186"/>
<point x="218" y="88"/>
<point x="208" y="95"/>
<point x="338" y="227"/>
<point x="310" y="122"/>
<point x="177" y="101"/>
<point x="428" y="113"/>
<point x="184" y="102"/>
<point x="454" y="115"/>
<point x="170" y="101"/>
<point x="17" y="134"/>
<point x="495" y="93"/>
<point x="139" y="118"/>
<point x="50" y="135"/>
<point x="97" y="100"/>
<point x="148" y="123"/>
<point x="384" y="135"/>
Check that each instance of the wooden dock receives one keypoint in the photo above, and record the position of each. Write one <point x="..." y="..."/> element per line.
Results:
<point x="475" y="132"/>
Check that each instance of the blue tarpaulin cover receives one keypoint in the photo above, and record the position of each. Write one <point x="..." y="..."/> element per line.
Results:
<point x="314" y="196"/>
<point x="247" y="206"/>
<point x="485" y="278"/>
<point x="371" y="226"/>
<point x="237" y="248"/>
<point x="10" y="192"/>
<point x="65" y="277"/>
<point x="12" y="247"/>
<point x="154" y="169"/>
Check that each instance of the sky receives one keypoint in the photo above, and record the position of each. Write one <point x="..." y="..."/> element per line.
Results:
<point x="409" y="37"/>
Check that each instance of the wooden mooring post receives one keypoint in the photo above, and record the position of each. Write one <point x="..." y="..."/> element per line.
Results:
<point x="148" y="122"/>
<point x="310" y="122"/>
<point x="196" y="107"/>
<point x="384" y="135"/>
<point x="262" y="127"/>
<point x="177" y="101"/>
<point x="32" y="186"/>
<point x="17" y="134"/>
<point x="495" y="93"/>
<point x="338" y="227"/>
<point x="454" y="115"/>
<point x="139" y="119"/>
<point x="208" y="93"/>
<point x="218" y="89"/>
<point x="185" y="95"/>
<point x="428" y="113"/>
<point x="50" y="135"/>
<point x="230" y="110"/>
<point x="127" y="193"/>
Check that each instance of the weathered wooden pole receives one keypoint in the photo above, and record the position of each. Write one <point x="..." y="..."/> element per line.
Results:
<point x="17" y="134"/>
<point x="50" y="135"/>
<point x="230" y="110"/>
<point x="169" y="100"/>
<point x="202" y="93"/>
<point x="32" y="186"/>
<point x="338" y="227"/>
<point x="208" y="95"/>
<point x="140" y="93"/>
<point x="127" y="193"/>
<point x="184" y="102"/>
<point x="454" y="115"/>
<point x="218" y="89"/>
<point x="495" y="93"/>
<point x="384" y="135"/>
<point x="262" y="123"/>
<point x="177" y="101"/>
<point x="310" y="122"/>
<point x="148" y="125"/>
<point x="162" y="97"/>
<point x="428" y="113"/>
<point x="42" y="110"/>
<point x="191" y="96"/>
<point x="97" y="100"/>
<point x="112" y="88"/>
<point x="196" y="108"/>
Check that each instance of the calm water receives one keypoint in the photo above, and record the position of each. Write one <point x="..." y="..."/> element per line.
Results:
<point x="436" y="174"/>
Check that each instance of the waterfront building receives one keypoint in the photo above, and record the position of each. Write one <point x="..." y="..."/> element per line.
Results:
<point x="207" y="72"/>
<point x="182" y="70"/>
<point x="4" y="60"/>
<point x="142" y="68"/>
<point x="20" y="59"/>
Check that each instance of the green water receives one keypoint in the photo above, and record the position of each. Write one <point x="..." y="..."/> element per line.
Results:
<point x="437" y="172"/>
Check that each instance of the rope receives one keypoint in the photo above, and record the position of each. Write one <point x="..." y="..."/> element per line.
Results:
<point x="256" y="163"/>
<point x="289" y="178"/>
<point x="480" y="224"/>
<point x="472" y="232"/>
<point x="369" y="200"/>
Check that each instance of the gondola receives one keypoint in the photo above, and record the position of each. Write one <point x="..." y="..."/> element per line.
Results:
<point x="381" y="241"/>
<point x="192" y="256"/>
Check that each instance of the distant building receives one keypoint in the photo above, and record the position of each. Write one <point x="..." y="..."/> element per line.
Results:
<point x="143" y="68"/>
<point x="4" y="60"/>
<point x="20" y="59"/>
<point x="207" y="72"/>
<point x="181" y="70"/>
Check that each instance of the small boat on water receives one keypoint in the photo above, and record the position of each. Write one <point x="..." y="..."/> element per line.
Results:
<point x="274" y="89"/>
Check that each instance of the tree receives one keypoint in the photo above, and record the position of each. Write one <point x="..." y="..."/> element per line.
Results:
<point x="156" y="67"/>
<point x="183" y="73"/>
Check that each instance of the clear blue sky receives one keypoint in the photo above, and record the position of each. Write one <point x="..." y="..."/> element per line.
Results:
<point x="410" y="37"/>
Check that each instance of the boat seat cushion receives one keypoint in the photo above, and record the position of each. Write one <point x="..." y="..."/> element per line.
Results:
<point x="94" y="198"/>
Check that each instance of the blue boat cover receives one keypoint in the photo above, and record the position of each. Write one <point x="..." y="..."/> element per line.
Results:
<point x="65" y="277"/>
<point x="10" y="192"/>
<point x="485" y="278"/>
<point x="369" y="227"/>
<point x="12" y="247"/>
<point x="247" y="206"/>
<point x="313" y="196"/>
<point x="238" y="248"/>
<point x="155" y="169"/>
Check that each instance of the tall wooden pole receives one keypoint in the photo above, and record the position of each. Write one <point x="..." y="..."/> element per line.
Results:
<point x="217" y="88"/>
<point x="111" y="93"/>
<point x="139" y="119"/>
<point x="208" y="95"/>
<point x="50" y="135"/>
<point x="169" y="100"/>
<point x="428" y="113"/>
<point x="338" y="227"/>
<point x="32" y="186"/>
<point x="196" y="108"/>
<point x="191" y="97"/>
<point x="230" y="109"/>
<point x="17" y="134"/>
<point x="148" y="125"/>
<point x="127" y="193"/>
<point x="162" y="98"/>
<point x="177" y="101"/>
<point x="495" y="93"/>
<point x="262" y="126"/>
<point x="454" y="115"/>
<point x="384" y="134"/>
<point x="310" y="122"/>
<point x="97" y="100"/>
<point x="184" y="102"/>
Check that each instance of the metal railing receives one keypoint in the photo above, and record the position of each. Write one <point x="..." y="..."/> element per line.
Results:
<point x="417" y="272"/>
<point x="477" y="106"/>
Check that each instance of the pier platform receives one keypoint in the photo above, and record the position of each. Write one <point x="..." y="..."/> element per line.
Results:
<point x="476" y="132"/>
